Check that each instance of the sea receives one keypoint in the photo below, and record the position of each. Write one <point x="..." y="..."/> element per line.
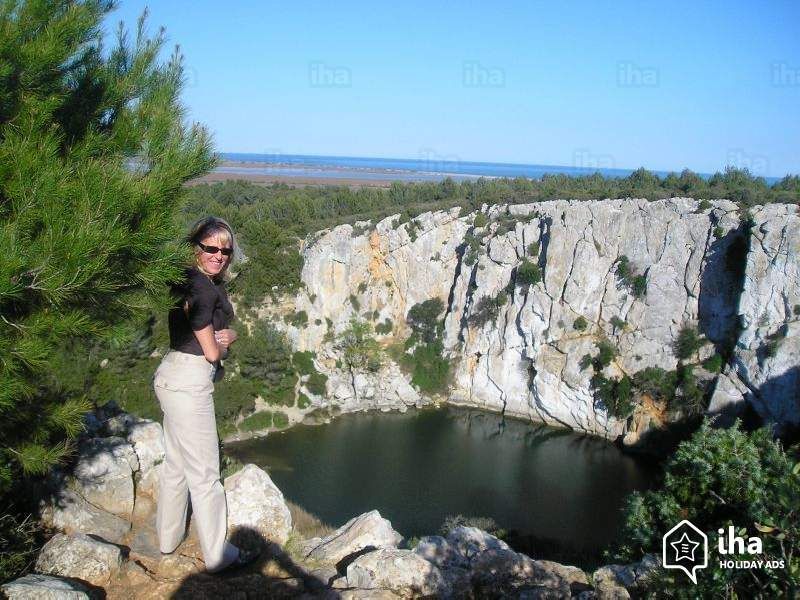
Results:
<point x="396" y="169"/>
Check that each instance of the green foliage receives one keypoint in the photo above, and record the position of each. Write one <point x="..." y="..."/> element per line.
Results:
<point x="412" y="228"/>
<point x="362" y="287"/>
<point x="234" y="395"/>
<point x="355" y="303"/>
<point x="298" y="318"/>
<point x="703" y="205"/>
<point x="481" y="220"/>
<point x="424" y="322"/>
<point x="430" y="371"/>
<point x="304" y="362"/>
<point x="606" y="352"/>
<point x="528" y="273"/>
<point x="691" y="399"/>
<point x="688" y="342"/>
<point x="486" y="524"/>
<point x="359" y="349"/>
<point x="384" y="328"/>
<point x="88" y="243"/>
<point x="722" y="477"/>
<point x="617" y="323"/>
<point x="719" y="232"/>
<point x="256" y="422"/>
<point x="580" y="324"/>
<point x="616" y="394"/>
<point x="656" y="383"/>
<point x="635" y="282"/>
<point x="533" y="249"/>
<point x="487" y="309"/>
<point x="303" y="401"/>
<point x="317" y="383"/>
<point x="713" y="364"/>
<point x="280" y="420"/>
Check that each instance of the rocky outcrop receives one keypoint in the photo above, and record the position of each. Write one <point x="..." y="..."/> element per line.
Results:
<point x="255" y="502"/>
<point x="765" y="369"/>
<point x="45" y="587"/>
<point x="628" y="271"/>
<point x="369" y="530"/>
<point x="80" y="557"/>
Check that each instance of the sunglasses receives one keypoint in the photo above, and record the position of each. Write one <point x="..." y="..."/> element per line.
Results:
<point x="214" y="249"/>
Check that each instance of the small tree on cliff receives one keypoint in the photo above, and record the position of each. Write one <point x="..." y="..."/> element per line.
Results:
<point x="94" y="152"/>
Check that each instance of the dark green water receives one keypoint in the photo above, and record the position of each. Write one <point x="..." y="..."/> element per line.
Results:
<point x="559" y="493"/>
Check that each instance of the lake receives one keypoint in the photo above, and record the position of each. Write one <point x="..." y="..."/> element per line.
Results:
<point x="558" y="493"/>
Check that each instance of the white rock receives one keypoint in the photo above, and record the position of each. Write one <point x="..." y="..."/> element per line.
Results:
<point x="402" y="572"/>
<point x="255" y="501"/>
<point x="67" y="511"/>
<point x="44" y="587"/>
<point x="147" y="438"/>
<point x="368" y="530"/>
<point x="80" y="556"/>
<point x="103" y="474"/>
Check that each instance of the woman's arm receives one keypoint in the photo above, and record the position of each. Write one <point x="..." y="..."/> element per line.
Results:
<point x="212" y="350"/>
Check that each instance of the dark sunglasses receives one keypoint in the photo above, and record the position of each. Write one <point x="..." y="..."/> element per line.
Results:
<point x="214" y="249"/>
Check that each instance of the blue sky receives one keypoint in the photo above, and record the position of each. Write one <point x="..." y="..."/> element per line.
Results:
<point x="596" y="84"/>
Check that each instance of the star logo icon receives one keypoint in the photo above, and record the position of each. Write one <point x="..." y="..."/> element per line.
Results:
<point x="684" y="548"/>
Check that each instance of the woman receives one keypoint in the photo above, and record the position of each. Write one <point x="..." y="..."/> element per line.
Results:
<point x="184" y="384"/>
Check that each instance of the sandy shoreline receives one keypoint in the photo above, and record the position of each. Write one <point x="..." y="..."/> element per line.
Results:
<point x="217" y="177"/>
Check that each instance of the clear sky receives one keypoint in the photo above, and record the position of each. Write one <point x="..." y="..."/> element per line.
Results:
<point x="600" y="84"/>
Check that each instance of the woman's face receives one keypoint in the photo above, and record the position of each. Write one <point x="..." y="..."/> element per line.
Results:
<point x="213" y="264"/>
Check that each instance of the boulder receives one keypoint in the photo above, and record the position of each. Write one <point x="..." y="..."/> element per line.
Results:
<point x="147" y="439"/>
<point x="255" y="501"/>
<point x="103" y="474"/>
<point x="619" y="581"/>
<point x="45" y="587"/>
<point x="81" y="557"/>
<point x="403" y="572"/>
<point x="368" y="530"/>
<point x="69" y="512"/>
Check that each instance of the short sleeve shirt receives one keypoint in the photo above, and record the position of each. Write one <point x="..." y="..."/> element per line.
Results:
<point x="208" y="304"/>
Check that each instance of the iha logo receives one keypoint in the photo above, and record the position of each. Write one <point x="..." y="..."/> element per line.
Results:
<point x="685" y="547"/>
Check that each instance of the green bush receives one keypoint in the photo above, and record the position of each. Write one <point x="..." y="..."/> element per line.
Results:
<point x="719" y="232"/>
<point x="303" y="401"/>
<point x="480" y="220"/>
<point x="487" y="309"/>
<point x="635" y="282"/>
<point x="280" y="420"/>
<point x="533" y="249"/>
<point x="304" y="362"/>
<point x="722" y="477"/>
<point x="384" y="328"/>
<point x="359" y="349"/>
<point x="656" y="383"/>
<point x="713" y="364"/>
<point x="606" y="352"/>
<point x="687" y="343"/>
<point x="580" y="324"/>
<point x="528" y="273"/>
<point x="256" y="422"/>
<point x="616" y="394"/>
<point x="430" y="371"/>
<point x="317" y="384"/>
<point x="355" y="303"/>
<point x="617" y="323"/>
<point x="423" y="318"/>
<point x="298" y="318"/>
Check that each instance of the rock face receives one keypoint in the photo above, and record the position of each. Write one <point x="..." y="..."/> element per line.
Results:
<point x="69" y="512"/>
<point x="81" y="557"/>
<point x="104" y="474"/>
<point x="682" y="268"/>
<point x="765" y="370"/>
<point x="45" y="587"/>
<point x="254" y="501"/>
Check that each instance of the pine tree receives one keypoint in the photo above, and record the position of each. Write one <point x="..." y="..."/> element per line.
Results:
<point x="94" y="152"/>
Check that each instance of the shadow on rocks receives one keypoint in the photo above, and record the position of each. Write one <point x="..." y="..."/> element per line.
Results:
<point x="273" y="575"/>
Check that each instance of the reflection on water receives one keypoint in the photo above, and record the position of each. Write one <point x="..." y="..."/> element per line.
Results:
<point x="417" y="468"/>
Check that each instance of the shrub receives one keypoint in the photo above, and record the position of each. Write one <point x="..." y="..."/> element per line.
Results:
<point x="304" y="362"/>
<point x="256" y="422"/>
<point x="635" y="282"/>
<point x="606" y="352"/>
<point x="713" y="364"/>
<point x="486" y="524"/>
<point x="384" y="328"/>
<point x="359" y="349"/>
<point x="719" y="232"/>
<point x="480" y="220"/>
<point x="423" y="320"/>
<point x="298" y="318"/>
<point x="721" y="477"/>
<point x="280" y="420"/>
<point x="687" y="343"/>
<point x="362" y="287"/>
<point x="528" y="273"/>
<point x="430" y="371"/>
<point x="303" y="401"/>
<point x="703" y="205"/>
<point x="616" y="394"/>
<point x="656" y="383"/>
<point x="355" y="303"/>
<point x="617" y="323"/>
<point x="580" y="324"/>
<point x="487" y="309"/>
<point x="533" y="249"/>
<point x="796" y="310"/>
<point x="317" y="383"/>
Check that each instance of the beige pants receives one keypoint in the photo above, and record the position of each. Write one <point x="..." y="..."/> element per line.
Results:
<point x="184" y="388"/>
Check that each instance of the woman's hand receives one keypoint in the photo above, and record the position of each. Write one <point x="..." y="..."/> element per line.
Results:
<point x="225" y="337"/>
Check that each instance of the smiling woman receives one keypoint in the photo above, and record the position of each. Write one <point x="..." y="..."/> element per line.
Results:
<point x="184" y="386"/>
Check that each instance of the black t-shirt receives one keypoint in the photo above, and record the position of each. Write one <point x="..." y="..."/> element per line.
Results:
<point x="208" y="303"/>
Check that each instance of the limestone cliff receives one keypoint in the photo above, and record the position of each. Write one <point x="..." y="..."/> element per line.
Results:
<point x="635" y="271"/>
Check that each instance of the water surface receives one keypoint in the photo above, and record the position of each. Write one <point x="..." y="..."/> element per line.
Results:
<point x="559" y="490"/>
